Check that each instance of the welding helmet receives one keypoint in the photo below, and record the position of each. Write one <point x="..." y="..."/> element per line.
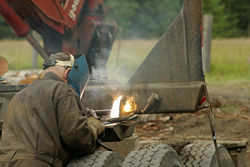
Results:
<point x="78" y="76"/>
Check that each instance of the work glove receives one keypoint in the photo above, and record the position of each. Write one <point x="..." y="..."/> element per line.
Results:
<point x="91" y="113"/>
<point x="96" y="126"/>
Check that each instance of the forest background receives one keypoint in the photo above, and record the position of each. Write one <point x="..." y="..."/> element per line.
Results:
<point x="142" y="22"/>
<point x="149" y="19"/>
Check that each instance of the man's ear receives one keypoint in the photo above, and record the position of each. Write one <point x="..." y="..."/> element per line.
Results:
<point x="65" y="75"/>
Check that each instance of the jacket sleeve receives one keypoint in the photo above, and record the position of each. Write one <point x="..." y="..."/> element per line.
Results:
<point x="72" y="124"/>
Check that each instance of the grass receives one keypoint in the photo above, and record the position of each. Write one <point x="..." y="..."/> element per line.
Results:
<point x="18" y="54"/>
<point x="230" y="58"/>
<point x="230" y="61"/>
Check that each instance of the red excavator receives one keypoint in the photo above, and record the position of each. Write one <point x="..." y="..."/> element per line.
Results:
<point x="75" y="26"/>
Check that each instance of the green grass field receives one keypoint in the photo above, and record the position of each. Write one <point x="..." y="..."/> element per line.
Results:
<point x="18" y="54"/>
<point x="230" y="58"/>
<point x="230" y="61"/>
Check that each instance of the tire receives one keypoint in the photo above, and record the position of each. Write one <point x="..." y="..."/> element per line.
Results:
<point x="99" y="158"/>
<point x="204" y="155"/>
<point x="159" y="156"/>
<point x="3" y="108"/>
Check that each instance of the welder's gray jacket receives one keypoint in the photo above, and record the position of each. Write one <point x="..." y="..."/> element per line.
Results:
<point x="45" y="123"/>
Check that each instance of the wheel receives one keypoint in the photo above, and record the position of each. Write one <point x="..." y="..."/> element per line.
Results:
<point x="99" y="158"/>
<point x="159" y="156"/>
<point x="3" y="108"/>
<point x="204" y="155"/>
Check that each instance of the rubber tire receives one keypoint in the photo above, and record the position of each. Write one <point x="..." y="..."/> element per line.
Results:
<point x="204" y="155"/>
<point x="3" y="108"/>
<point x="159" y="156"/>
<point x="100" y="158"/>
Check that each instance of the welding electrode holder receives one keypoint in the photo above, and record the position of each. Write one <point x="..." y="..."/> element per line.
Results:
<point x="123" y="127"/>
<point x="153" y="103"/>
<point x="117" y="129"/>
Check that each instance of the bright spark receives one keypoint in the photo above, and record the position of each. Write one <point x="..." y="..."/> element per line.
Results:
<point x="128" y="106"/>
<point x="115" y="111"/>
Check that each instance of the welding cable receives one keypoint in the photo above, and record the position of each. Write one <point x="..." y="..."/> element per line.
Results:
<point x="98" y="142"/>
<point x="212" y="126"/>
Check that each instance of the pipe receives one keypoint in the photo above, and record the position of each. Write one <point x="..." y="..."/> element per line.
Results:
<point x="37" y="46"/>
<point x="20" y="27"/>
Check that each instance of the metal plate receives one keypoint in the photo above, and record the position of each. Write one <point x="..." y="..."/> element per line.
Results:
<point x="176" y="58"/>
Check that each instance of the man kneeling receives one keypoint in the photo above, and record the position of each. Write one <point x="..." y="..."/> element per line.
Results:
<point x="45" y="123"/>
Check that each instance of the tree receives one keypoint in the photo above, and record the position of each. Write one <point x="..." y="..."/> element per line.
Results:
<point x="149" y="19"/>
<point x="155" y="16"/>
<point x="240" y="12"/>
<point x="123" y="13"/>
<point x="5" y="30"/>
<point x="143" y="18"/>
<point x="222" y="27"/>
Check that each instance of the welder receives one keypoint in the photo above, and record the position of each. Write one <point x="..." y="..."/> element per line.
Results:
<point x="45" y="123"/>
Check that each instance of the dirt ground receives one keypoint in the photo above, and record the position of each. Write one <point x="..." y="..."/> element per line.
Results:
<point x="231" y="107"/>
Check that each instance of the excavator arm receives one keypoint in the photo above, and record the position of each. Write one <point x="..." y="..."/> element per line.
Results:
<point x="75" y="26"/>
